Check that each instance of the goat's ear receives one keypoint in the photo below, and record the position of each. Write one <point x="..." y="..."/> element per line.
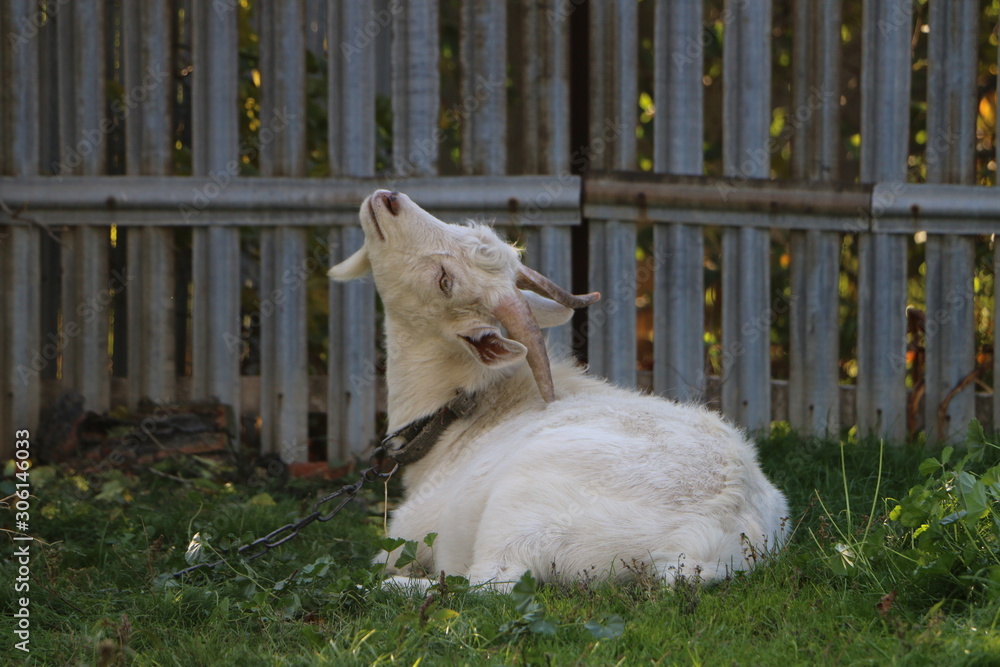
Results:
<point x="547" y="312"/>
<point x="490" y="348"/>
<point x="353" y="267"/>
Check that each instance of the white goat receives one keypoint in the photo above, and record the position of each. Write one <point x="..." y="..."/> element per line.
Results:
<point x="553" y="471"/>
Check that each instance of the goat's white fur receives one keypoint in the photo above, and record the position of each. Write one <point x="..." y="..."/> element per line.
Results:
<point x="595" y="484"/>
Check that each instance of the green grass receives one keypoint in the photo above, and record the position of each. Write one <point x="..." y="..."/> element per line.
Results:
<point x="98" y="594"/>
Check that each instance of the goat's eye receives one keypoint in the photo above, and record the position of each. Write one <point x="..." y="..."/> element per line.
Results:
<point x="444" y="282"/>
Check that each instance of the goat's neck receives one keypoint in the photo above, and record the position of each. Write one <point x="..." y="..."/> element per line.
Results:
<point x="422" y="375"/>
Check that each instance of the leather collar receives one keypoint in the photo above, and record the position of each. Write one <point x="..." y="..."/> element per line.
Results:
<point x="415" y="440"/>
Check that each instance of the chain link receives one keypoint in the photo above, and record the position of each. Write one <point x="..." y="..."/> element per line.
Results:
<point x="376" y="470"/>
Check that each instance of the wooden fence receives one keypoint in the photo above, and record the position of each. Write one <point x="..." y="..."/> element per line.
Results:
<point x="65" y="206"/>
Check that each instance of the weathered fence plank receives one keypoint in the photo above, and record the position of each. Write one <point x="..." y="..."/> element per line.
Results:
<point x="416" y="86"/>
<point x="814" y="394"/>
<point x="613" y="91"/>
<point x="83" y="129"/>
<point x="20" y="339"/>
<point x="317" y="19"/>
<point x="284" y="371"/>
<point x="539" y="62"/>
<point x="483" y="64"/>
<point x="678" y="289"/>
<point x="996" y="301"/>
<point x="215" y="322"/>
<point x="352" y="377"/>
<point x="148" y="36"/>
<point x="885" y="124"/>
<point x="950" y="338"/>
<point x="746" y="279"/>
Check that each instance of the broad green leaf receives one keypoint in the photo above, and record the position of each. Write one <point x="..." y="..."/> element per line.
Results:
<point x="951" y="518"/>
<point x="928" y="467"/>
<point x="524" y="591"/>
<point x="390" y="544"/>
<point x="946" y="455"/>
<point x="977" y="438"/>
<point x="429" y="539"/>
<point x="606" y="627"/>
<point x="315" y="639"/>
<point x="543" y="627"/>
<point x="291" y="606"/>
<point x="408" y="555"/>
<point x="974" y="497"/>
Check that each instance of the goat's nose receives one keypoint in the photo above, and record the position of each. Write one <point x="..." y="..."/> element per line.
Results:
<point x="391" y="202"/>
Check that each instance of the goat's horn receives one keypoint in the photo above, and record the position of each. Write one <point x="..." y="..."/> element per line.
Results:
<point x="536" y="282"/>
<point x="515" y="315"/>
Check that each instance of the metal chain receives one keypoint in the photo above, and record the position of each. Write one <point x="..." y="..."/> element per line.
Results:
<point x="276" y="538"/>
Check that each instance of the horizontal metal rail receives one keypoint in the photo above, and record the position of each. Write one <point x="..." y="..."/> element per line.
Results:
<point x="896" y="208"/>
<point x="224" y="200"/>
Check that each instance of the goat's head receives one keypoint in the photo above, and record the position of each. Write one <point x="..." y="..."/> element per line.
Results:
<point x="459" y="283"/>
